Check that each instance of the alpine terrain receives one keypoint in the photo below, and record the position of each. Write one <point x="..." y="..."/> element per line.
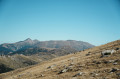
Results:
<point x="31" y="52"/>
<point x="101" y="62"/>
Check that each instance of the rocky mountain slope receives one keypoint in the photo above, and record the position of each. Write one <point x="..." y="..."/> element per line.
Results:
<point x="30" y="52"/>
<point x="31" y="56"/>
<point x="87" y="64"/>
<point x="11" y="47"/>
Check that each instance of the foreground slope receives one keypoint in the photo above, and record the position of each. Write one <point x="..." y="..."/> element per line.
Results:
<point x="88" y="64"/>
<point x="30" y="52"/>
<point x="31" y="56"/>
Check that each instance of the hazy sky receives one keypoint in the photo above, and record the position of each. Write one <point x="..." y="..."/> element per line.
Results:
<point x="93" y="21"/>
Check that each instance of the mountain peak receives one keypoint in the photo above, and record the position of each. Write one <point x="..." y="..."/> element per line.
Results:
<point x="28" y="39"/>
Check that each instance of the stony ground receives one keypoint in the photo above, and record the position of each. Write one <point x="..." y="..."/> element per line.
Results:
<point x="87" y="64"/>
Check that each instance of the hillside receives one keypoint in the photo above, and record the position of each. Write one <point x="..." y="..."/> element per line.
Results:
<point x="31" y="56"/>
<point x="30" y="52"/>
<point x="46" y="51"/>
<point x="8" y="48"/>
<point x="8" y="63"/>
<point x="87" y="64"/>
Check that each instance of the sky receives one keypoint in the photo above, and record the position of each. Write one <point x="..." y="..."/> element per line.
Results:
<point x="93" y="21"/>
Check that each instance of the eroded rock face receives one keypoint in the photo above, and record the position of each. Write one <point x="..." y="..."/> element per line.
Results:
<point x="107" y="52"/>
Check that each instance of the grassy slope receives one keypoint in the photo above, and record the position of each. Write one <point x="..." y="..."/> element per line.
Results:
<point x="19" y="60"/>
<point x="16" y="61"/>
<point x="93" y="66"/>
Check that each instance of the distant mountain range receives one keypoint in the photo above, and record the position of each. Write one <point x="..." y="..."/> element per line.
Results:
<point x="9" y="48"/>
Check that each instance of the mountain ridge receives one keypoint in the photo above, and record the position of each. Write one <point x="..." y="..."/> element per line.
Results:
<point x="29" y="43"/>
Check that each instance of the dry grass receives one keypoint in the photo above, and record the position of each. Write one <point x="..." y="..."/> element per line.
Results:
<point x="92" y="66"/>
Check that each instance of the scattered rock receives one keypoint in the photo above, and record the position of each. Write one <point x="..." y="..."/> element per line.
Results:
<point x="71" y="63"/>
<point x="97" y="62"/>
<point x="106" y="62"/>
<point x="74" y="78"/>
<point x="93" y="74"/>
<point x="118" y="74"/>
<point x="115" y="63"/>
<point x="111" y="61"/>
<point x="117" y="48"/>
<point x="96" y="74"/>
<point x="89" y="53"/>
<point x="51" y="66"/>
<point x="62" y="71"/>
<point x="69" y="67"/>
<point x="66" y="69"/>
<point x="118" y="60"/>
<point x="113" y="70"/>
<point x="19" y="75"/>
<point x="78" y="74"/>
<point x="41" y="75"/>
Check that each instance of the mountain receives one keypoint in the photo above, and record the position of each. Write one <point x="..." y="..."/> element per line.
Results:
<point x="78" y="45"/>
<point x="18" y="45"/>
<point x="9" y="48"/>
<point x="87" y="64"/>
<point x="31" y="52"/>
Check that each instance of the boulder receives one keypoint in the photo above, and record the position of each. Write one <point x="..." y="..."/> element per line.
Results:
<point x="89" y="53"/>
<point x="118" y="74"/>
<point x="51" y="66"/>
<point x="107" y="52"/>
<point x="66" y="69"/>
<point x="115" y="63"/>
<point x="74" y="78"/>
<point x="114" y="70"/>
<point x="117" y="48"/>
<point x="62" y="71"/>
<point x="78" y="74"/>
